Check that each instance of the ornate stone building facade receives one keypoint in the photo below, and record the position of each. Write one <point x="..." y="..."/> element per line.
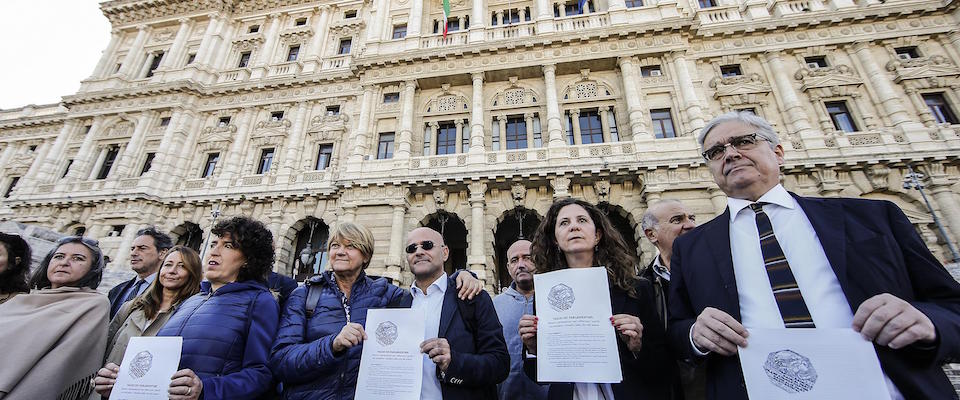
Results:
<point x="305" y="113"/>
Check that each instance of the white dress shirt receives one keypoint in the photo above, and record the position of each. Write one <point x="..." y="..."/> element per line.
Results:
<point x="817" y="281"/>
<point x="431" y="304"/>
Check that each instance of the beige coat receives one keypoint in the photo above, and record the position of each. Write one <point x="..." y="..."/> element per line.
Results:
<point x="127" y="324"/>
<point x="53" y="343"/>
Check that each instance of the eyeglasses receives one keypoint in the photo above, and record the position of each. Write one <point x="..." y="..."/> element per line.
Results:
<point x="745" y="142"/>
<point x="427" y="245"/>
<point x="74" y="239"/>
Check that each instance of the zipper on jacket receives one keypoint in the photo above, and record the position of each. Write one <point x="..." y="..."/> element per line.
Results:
<point x="183" y="325"/>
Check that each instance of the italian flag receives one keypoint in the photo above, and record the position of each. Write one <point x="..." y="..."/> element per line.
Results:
<point x="446" y="14"/>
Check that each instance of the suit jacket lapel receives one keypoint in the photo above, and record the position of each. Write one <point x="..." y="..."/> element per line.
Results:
<point x="828" y="221"/>
<point x="448" y="307"/>
<point x="719" y="242"/>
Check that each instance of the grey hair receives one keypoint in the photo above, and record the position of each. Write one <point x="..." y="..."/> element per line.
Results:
<point x="764" y="130"/>
<point x="648" y="221"/>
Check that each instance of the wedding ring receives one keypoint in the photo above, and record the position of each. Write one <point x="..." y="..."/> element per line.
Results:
<point x="93" y="384"/>
<point x="189" y="389"/>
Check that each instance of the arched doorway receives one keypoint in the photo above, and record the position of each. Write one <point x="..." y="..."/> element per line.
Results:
<point x="624" y="224"/>
<point x="189" y="234"/>
<point x="454" y="233"/>
<point x="310" y="252"/>
<point x="518" y="223"/>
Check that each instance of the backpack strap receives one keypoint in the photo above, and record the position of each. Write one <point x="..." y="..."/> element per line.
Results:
<point x="313" y="297"/>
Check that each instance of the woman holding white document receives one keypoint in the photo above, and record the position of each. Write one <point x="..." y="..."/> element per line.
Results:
<point x="576" y="234"/>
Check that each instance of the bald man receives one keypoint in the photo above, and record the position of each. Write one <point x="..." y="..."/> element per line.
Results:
<point x="513" y="303"/>
<point x="465" y="356"/>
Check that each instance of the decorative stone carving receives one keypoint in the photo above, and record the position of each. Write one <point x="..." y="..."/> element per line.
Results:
<point x="218" y="133"/>
<point x="561" y="187"/>
<point x="827" y="77"/>
<point x="119" y="130"/>
<point x="296" y="35"/>
<point x="440" y="198"/>
<point x="518" y="192"/>
<point x="603" y="190"/>
<point x="878" y="176"/>
<point x="282" y="124"/>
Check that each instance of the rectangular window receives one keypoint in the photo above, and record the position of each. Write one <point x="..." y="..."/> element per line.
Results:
<point x="191" y="57"/>
<point x="751" y="110"/>
<point x="87" y="128"/>
<point x="453" y="24"/>
<point x="940" y="109"/>
<point x="276" y="116"/>
<point x="707" y="3"/>
<point x="300" y="21"/>
<point x="516" y="132"/>
<point x="400" y="31"/>
<point x="210" y="165"/>
<point x="253" y="29"/>
<point x="344" y="46"/>
<point x="840" y="115"/>
<point x="108" y="161"/>
<point x="333" y="110"/>
<point x="32" y="148"/>
<point x="350" y="14"/>
<point x="147" y="163"/>
<point x="816" y="61"/>
<point x="446" y="138"/>
<point x="323" y="156"/>
<point x="13" y="184"/>
<point x="385" y="146"/>
<point x="634" y="3"/>
<point x="511" y="16"/>
<point x="727" y="71"/>
<point x="907" y="53"/>
<point x="590" y="129"/>
<point x="392" y="97"/>
<point x="223" y="122"/>
<point x="651" y="70"/>
<point x="266" y="161"/>
<point x="662" y="123"/>
<point x="164" y="121"/>
<point x="117" y="68"/>
<point x="293" y="53"/>
<point x="244" y="59"/>
<point x="154" y="63"/>
<point x="67" y="169"/>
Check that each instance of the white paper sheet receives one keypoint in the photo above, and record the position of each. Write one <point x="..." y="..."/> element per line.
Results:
<point x="148" y="364"/>
<point x="575" y="340"/>
<point x="391" y="364"/>
<point x="818" y="364"/>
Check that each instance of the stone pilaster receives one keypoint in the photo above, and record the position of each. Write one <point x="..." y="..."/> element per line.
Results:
<point x="105" y="65"/>
<point x="477" y="131"/>
<point x="889" y="99"/>
<point x="796" y="116"/>
<point x="630" y="77"/>
<point x="294" y="144"/>
<point x="476" y="260"/>
<point x="131" y="62"/>
<point x="360" y="137"/>
<point x="554" y="126"/>
<point x="405" y="137"/>
<point x="689" y="99"/>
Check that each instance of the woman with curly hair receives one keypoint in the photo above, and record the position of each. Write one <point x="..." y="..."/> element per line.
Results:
<point x="576" y="234"/>
<point x="14" y="266"/>
<point x="54" y="337"/>
<point x="177" y="279"/>
<point x="228" y="327"/>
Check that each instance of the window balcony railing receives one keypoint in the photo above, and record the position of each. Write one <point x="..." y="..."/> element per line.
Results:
<point x="511" y="31"/>
<point x="780" y="8"/>
<point x="234" y="75"/>
<point x="287" y="68"/>
<point x="336" y="62"/>
<point x="438" y="40"/>
<point x="719" y="15"/>
<point x="581" y="22"/>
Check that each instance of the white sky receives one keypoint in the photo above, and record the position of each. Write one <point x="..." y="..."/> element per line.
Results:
<point x="47" y="47"/>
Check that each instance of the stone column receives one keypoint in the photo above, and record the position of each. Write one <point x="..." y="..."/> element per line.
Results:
<point x="295" y="144"/>
<point x="395" y="256"/>
<point x="654" y="196"/>
<point x="945" y="199"/>
<point x="618" y="11"/>
<point x="163" y="163"/>
<point x="502" y="121"/>
<point x="575" y="116"/>
<point x="349" y="213"/>
<point x="81" y="165"/>
<point x="888" y="97"/>
<point x="415" y="22"/>
<point x="175" y="54"/>
<point x="375" y="30"/>
<point x="605" y="123"/>
<point x="925" y="115"/>
<point x="954" y="39"/>
<point x="477" y="132"/>
<point x="718" y="199"/>
<point x="128" y="157"/>
<point x="185" y="138"/>
<point x="131" y="62"/>
<point x="43" y="150"/>
<point x="360" y="138"/>
<point x="690" y="101"/>
<point x="544" y="16"/>
<point x="630" y="76"/>
<point x="101" y="157"/>
<point x="478" y="21"/>
<point x="270" y="41"/>
<point x="459" y="137"/>
<point x="430" y="138"/>
<point x="314" y="52"/>
<point x="8" y="152"/>
<point x="234" y="160"/>
<point x="476" y="259"/>
<point x="528" y="118"/>
<point x="48" y="173"/>
<point x="796" y="115"/>
<point x="105" y="65"/>
<point x="554" y="127"/>
<point x="207" y="51"/>
<point x="406" y="120"/>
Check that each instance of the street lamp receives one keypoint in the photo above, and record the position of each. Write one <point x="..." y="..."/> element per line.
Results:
<point x="912" y="181"/>
<point x="214" y="214"/>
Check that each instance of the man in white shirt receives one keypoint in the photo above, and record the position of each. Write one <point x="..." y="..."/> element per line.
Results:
<point x="465" y="355"/>
<point x="835" y="263"/>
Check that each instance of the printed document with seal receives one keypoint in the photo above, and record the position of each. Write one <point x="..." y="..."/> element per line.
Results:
<point x="813" y="363"/>
<point x="575" y="340"/>
<point x="391" y="365"/>
<point x="148" y="364"/>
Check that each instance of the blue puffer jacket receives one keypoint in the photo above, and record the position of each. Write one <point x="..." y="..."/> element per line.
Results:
<point x="226" y="338"/>
<point x="303" y="356"/>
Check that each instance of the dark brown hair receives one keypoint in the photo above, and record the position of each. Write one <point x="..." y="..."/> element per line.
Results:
<point x="611" y="251"/>
<point x="151" y="298"/>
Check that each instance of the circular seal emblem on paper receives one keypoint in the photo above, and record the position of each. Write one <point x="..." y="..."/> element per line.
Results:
<point x="386" y="333"/>
<point x="561" y="297"/>
<point x="790" y="371"/>
<point x="141" y="364"/>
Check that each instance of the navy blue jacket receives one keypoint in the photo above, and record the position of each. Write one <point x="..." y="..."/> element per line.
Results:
<point x="478" y="356"/>
<point x="226" y="338"/>
<point x="281" y="286"/>
<point x="872" y="247"/>
<point x="302" y="356"/>
<point x="115" y="292"/>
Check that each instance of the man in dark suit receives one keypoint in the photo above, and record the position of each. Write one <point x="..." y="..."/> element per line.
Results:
<point x="465" y="355"/>
<point x="146" y="254"/>
<point x="836" y="263"/>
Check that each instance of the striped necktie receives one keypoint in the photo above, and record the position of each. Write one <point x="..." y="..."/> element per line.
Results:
<point x="785" y="290"/>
